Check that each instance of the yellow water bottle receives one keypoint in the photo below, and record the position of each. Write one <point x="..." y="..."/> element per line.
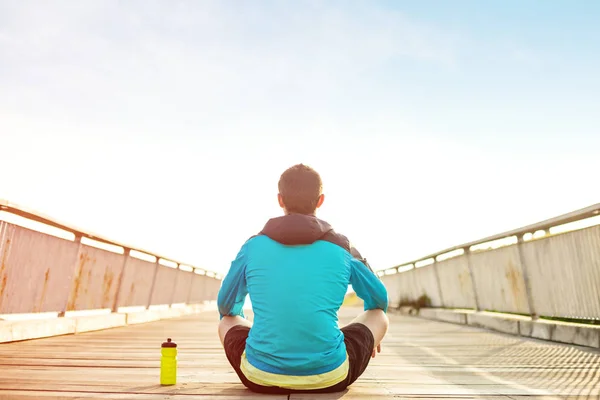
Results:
<point x="168" y="363"/>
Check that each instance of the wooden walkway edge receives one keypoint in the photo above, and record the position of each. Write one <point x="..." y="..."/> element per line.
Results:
<point x="18" y="330"/>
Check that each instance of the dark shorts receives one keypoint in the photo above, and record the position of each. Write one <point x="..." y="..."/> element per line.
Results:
<point x="359" y="346"/>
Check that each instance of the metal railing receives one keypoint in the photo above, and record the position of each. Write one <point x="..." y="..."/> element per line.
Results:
<point x="44" y="272"/>
<point x="548" y="269"/>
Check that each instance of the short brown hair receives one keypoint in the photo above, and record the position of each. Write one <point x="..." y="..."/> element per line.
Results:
<point x="300" y="187"/>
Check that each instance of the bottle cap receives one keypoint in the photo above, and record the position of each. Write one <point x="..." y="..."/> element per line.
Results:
<point x="168" y="343"/>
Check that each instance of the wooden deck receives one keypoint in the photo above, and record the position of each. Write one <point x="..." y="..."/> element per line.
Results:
<point x="420" y="358"/>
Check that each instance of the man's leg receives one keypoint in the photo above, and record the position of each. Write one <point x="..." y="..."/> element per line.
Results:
<point x="377" y="322"/>
<point x="234" y="348"/>
<point x="362" y="337"/>
<point x="229" y="322"/>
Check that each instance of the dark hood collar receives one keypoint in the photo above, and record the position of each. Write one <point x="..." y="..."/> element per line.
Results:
<point x="295" y="229"/>
<point x="298" y="229"/>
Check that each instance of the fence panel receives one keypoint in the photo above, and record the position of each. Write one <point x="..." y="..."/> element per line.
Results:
<point x="408" y="287"/>
<point x="212" y="288"/>
<point x="136" y="283"/>
<point x="499" y="280"/>
<point x="198" y="291"/>
<point x="36" y="270"/>
<point x="426" y="284"/>
<point x="97" y="274"/>
<point x="183" y="286"/>
<point x="391" y="283"/>
<point x="564" y="273"/>
<point x="455" y="282"/>
<point x="166" y="278"/>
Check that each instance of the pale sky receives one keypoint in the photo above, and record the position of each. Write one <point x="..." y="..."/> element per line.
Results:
<point x="166" y="124"/>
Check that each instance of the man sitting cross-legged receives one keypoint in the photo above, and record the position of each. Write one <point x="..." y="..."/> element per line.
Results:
<point x="297" y="271"/>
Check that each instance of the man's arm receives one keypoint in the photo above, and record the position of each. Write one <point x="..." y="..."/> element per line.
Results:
<point x="233" y="292"/>
<point x="358" y="256"/>
<point x="367" y="285"/>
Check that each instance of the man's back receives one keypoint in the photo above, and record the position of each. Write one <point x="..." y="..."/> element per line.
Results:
<point x="297" y="272"/>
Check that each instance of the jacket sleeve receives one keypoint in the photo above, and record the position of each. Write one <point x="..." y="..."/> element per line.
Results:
<point x="367" y="284"/>
<point x="233" y="292"/>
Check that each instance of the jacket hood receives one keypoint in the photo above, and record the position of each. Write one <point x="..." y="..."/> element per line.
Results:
<point x="296" y="229"/>
<point x="299" y="229"/>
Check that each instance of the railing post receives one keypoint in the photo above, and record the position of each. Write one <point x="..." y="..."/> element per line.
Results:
<point x="204" y="280"/>
<point x="472" y="276"/>
<point x="526" y="279"/>
<point x="115" y="306"/>
<point x="5" y="245"/>
<point x="156" y="266"/>
<point x="2" y="236"/>
<point x="189" y="295"/>
<point x="438" y="281"/>
<point x="78" y="265"/>
<point x="179" y="271"/>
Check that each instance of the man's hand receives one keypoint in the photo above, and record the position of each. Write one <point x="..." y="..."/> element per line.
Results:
<point x="378" y="351"/>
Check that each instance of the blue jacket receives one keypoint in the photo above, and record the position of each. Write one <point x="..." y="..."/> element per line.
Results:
<point x="297" y="271"/>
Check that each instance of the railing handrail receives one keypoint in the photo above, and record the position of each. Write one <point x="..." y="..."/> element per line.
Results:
<point x="573" y="216"/>
<point x="33" y="215"/>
